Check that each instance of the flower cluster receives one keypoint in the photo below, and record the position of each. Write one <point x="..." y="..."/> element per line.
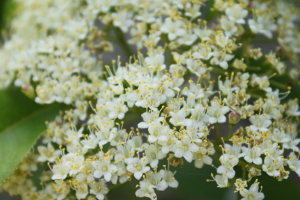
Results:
<point x="126" y="118"/>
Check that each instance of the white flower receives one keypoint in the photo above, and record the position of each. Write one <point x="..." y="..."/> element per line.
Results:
<point x="146" y="190"/>
<point x="74" y="161"/>
<point x="155" y="60"/>
<point x="271" y="166"/>
<point x="221" y="58"/>
<point x="262" y="25"/>
<point x="173" y="28"/>
<point x="104" y="168"/>
<point x="81" y="190"/>
<point x="99" y="189"/>
<point x="125" y="153"/>
<point x="157" y="131"/>
<point x="294" y="163"/>
<point x="202" y="158"/>
<point x="203" y="52"/>
<point x="196" y="66"/>
<point x="153" y="154"/>
<point x="149" y="117"/>
<point x="236" y="14"/>
<point x="240" y="184"/>
<point x="253" y="155"/>
<point x="90" y="142"/>
<point x="169" y="144"/>
<point x="122" y="20"/>
<point x="217" y="112"/>
<point x="117" y="108"/>
<point x="252" y="193"/>
<point x="234" y="150"/>
<point x="185" y="148"/>
<point x="195" y="91"/>
<point x="138" y="166"/>
<point x="168" y="177"/>
<point x="178" y="118"/>
<point x="279" y="136"/>
<point x="228" y="26"/>
<point x="105" y="135"/>
<point x="60" y="171"/>
<point x="156" y="181"/>
<point x="260" y="123"/>
<point x="136" y="142"/>
<point x="47" y="154"/>
<point x="192" y="10"/>
<point x="228" y="162"/>
<point x="292" y="144"/>
<point x="222" y="180"/>
<point x="293" y="108"/>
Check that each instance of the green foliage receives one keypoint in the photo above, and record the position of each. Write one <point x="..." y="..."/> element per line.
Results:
<point x="285" y="189"/>
<point x="14" y="106"/>
<point x="7" y="8"/>
<point x="22" y="122"/>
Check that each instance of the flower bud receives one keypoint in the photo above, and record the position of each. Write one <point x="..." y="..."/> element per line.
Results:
<point x="280" y="52"/>
<point x="28" y="90"/>
<point x="234" y="117"/>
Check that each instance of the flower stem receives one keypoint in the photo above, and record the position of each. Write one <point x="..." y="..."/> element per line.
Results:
<point x="218" y="131"/>
<point x="229" y="133"/>
<point x="122" y="40"/>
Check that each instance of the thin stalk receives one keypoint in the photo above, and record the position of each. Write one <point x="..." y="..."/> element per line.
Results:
<point x="218" y="132"/>
<point x="244" y="173"/>
<point x="229" y="133"/>
<point x="279" y="85"/>
<point x="218" y="71"/>
<point x="254" y="68"/>
<point x="122" y="40"/>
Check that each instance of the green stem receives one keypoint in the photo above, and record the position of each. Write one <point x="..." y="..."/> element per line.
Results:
<point x="253" y="68"/>
<point x="218" y="132"/>
<point x="218" y="71"/>
<point x="254" y="95"/>
<point x="229" y="133"/>
<point x="277" y="84"/>
<point x="105" y="197"/>
<point x="122" y="40"/>
<point x="244" y="173"/>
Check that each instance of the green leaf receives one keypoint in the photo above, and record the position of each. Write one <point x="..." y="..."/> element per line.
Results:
<point x="17" y="140"/>
<point x="14" y="105"/>
<point x="285" y="189"/>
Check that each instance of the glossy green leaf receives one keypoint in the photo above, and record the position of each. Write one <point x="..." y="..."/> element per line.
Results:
<point x="17" y="140"/>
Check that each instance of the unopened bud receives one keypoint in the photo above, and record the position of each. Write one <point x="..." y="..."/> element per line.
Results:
<point x="28" y="90"/>
<point x="279" y="51"/>
<point x="234" y="117"/>
<point x="250" y="4"/>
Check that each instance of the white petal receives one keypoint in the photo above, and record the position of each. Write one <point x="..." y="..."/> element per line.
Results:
<point x="143" y="125"/>
<point x="152" y="138"/>
<point x="188" y="156"/>
<point x="107" y="176"/>
<point x="138" y="175"/>
<point x="173" y="184"/>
